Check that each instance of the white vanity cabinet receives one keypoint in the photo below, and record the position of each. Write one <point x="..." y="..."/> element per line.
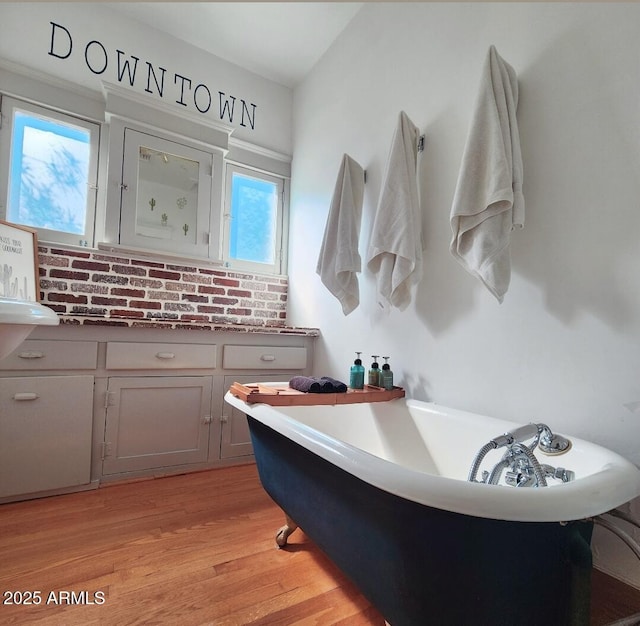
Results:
<point x="46" y="417"/>
<point x="84" y="405"/>
<point x="161" y="419"/>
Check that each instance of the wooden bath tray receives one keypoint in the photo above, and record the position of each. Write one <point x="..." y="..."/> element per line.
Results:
<point x="283" y="395"/>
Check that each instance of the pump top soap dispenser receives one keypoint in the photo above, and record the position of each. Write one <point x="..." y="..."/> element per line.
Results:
<point x="386" y="375"/>
<point x="356" y="377"/>
<point x="374" y="372"/>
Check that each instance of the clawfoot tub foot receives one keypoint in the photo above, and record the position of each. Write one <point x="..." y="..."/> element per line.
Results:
<point x="283" y="533"/>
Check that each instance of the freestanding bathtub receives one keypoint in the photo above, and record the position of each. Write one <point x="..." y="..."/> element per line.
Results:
<point x="382" y="489"/>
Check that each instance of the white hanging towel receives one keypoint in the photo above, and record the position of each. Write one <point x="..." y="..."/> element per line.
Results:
<point x="339" y="259"/>
<point x="395" y="249"/>
<point x="488" y="202"/>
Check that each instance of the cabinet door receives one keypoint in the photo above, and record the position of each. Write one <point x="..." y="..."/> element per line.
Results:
<point x="155" y="422"/>
<point x="236" y="439"/>
<point x="45" y="433"/>
<point x="166" y="195"/>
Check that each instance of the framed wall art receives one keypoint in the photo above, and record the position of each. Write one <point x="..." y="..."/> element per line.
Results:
<point x="19" y="274"/>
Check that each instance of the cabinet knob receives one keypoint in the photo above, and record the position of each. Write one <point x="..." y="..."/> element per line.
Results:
<point x="165" y="355"/>
<point x="25" y="395"/>
<point x="267" y="357"/>
<point x="31" y="354"/>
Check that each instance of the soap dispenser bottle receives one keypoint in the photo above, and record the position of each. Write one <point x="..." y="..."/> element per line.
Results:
<point x="356" y="378"/>
<point x="374" y="372"/>
<point x="386" y="375"/>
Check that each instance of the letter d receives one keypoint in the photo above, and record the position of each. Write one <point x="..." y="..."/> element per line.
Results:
<point x="69" y="42"/>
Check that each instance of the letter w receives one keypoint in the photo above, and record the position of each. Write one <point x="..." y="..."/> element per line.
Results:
<point x="122" y="67"/>
<point x="226" y="107"/>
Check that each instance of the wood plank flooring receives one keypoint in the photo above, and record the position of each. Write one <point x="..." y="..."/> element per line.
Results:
<point x="186" y="550"/>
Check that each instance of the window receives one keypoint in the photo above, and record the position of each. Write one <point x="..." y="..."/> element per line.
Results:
<point x="253" y="229"/>
<point x="50" y="167"/>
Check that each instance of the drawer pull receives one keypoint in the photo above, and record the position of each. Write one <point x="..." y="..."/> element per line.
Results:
<point x="31" y="354"/>
<point x="267" y="357"/>
<point x="165" y="355"/>
<point x="25" y="395"/>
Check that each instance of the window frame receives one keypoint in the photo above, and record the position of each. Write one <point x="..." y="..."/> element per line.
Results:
<point x="8" y="106"/>
<point x="279" y="264"/>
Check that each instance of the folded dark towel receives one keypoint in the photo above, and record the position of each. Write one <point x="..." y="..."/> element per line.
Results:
<point x="312" y="384"/>
<point x="338" y="385"/>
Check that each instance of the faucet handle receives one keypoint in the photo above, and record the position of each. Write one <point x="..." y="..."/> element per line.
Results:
<point x="560" y="473"/>
<point x="564" y="475"/>
<point x="520" y="479"/>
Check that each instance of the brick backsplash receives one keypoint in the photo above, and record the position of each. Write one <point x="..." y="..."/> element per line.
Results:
<point x="97" y="284"/>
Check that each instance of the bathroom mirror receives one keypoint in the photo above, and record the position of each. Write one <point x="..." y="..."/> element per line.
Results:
<point x="166" y="195"/>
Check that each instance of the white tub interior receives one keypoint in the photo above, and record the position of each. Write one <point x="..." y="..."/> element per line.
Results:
<point x="431" y="439"/>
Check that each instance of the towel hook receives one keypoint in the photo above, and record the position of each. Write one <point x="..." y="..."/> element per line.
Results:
<point x="420" y="149"/>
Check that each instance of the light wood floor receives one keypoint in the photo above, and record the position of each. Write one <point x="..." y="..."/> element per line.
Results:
<point x="186" y="550"/>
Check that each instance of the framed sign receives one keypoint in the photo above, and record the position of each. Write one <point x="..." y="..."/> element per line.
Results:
<point x="19" y="274"/>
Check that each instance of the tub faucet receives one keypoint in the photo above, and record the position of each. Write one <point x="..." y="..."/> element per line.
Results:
<point x="524" y="468"/>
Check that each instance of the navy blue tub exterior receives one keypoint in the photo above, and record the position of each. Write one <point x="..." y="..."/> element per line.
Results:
<point x="420" y="565"/>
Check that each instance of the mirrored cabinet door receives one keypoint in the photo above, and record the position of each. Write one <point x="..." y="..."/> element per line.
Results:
<point x="166" y="195"/>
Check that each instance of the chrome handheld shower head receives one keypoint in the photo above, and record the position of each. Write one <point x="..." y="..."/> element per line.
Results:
<point x="517" y="435"/>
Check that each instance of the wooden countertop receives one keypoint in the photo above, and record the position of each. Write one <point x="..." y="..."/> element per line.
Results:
<point x="169" y="324"/>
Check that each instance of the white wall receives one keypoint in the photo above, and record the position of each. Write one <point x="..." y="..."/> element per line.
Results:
<point x="564" y="347"/>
